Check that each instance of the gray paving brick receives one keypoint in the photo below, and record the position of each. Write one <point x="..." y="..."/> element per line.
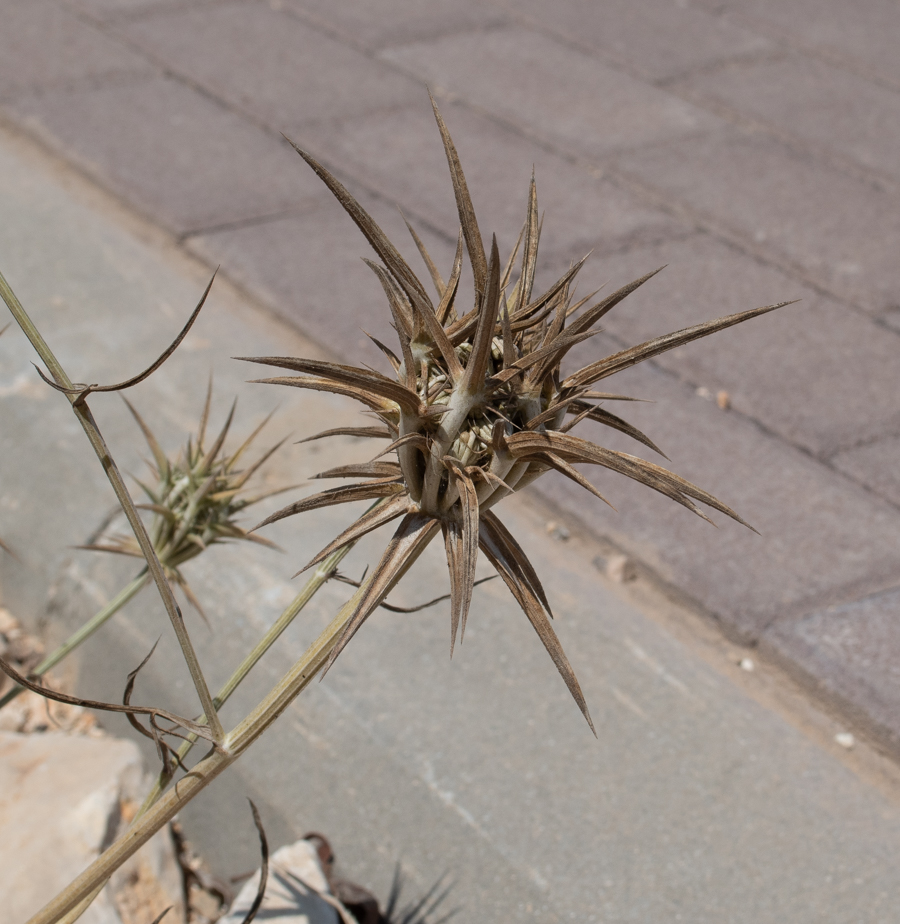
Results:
<point x="43" y="45"/>
<point x="111" y="9"/>
<point x="876" y="465"/>
<point x="851" y="652"/>
<point x="658" y="39"/>
<point x="864" y="32"/>
<point x="392" y="22"/>
<point x="827" y="106"/>
<point x="817" y="373"/>
<point x="559" y="94"/>
<point x="271" y="64"/>
<point x="175" y="154"/>
<point x="823" y="539"/>
<point x="309" y="268"/>
<point x="400" y="153"/>
<point x="839" y="229"/>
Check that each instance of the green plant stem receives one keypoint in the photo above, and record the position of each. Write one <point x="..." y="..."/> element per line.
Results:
<point x="89" y="883"/>
<point x="86" y="631"/>
<point x="92" y="431"/>
<point x="201" y="775"/>
<point x="318" y="579"/>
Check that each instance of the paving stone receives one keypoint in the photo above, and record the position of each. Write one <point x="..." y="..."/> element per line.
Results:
<point x="553" y="91"/>
<point x="110" y="9"/>
<point x="839" y="229"/>
<point x="851" y="652"/>
<point x="400" y="153"/>
<point x="658" y="39"/>
<point x="309" y="268"/>
<point x="864" y="33"/>
<point x="172" y="152"/>
<point x="43" y="45"/>
<point x="271" y="64"/>
<point x="393" y="22"/>
<point x="822" y="537"/>
<point x="875" y="465"/>
<point x="827" y="106"/>
<point x="817" y="373"/>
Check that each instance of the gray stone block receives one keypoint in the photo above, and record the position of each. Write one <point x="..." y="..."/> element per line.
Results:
<point x="111" y="9"/>
<point x="829" y="107"/>
<point x="270" y="64"/>
<point x="558" y="94"/>
<point x="875" y="464"/>
<point x="309" y="268"/>
<point x="836" y="228"/>
<point x="43" y="45"/>
<point x="658" y="39"/>
<point x="823" y="539"/>
<point x="817" y="373"/>
<point x="850" y="653"/>
<point x="400" y="154"/>
<point x="863" y="33"/>
<point x="178" y="156"/>
<point x="393" y="22"/>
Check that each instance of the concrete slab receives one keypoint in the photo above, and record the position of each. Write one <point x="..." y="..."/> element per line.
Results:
<point x="394" y="22"/>
<point x="836" y="228"/>
<point x="846" y="396"/>
<point x="847" y="653"/>
<point x="43" y="45"/>
<point x="400" y="154"/>
<point x="826" y="106"/>
<point x="269" y="64"/>
<point x="656" y="40"/>
<point x="177" y="155"/>
<point x="556" y="93"/>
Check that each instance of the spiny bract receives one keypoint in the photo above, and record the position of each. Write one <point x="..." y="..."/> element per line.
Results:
<point x="195" y="499"/>
<point x="478" y="409"/>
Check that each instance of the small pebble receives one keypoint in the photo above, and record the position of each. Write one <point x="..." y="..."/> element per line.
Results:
<point x="621" y="569"/>
<point x="845" y="740"/>
<point x="704" y="392"/>
<point x="746" y="664"/>
<point x="723" y="399"/>
<point x="557" y="531"/>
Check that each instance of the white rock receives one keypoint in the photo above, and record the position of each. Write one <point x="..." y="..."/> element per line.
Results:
<point x="845" y="740"/>
<point x="746" y="664"/>
<point x="288" y="899"/>
<point x="621" y="569"/>
<point x="61" y="803"/>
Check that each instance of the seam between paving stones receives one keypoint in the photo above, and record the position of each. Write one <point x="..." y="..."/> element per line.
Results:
<point x="818" y="153"/>
<point x="827" y="55"/>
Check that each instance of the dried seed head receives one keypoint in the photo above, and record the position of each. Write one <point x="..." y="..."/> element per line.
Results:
<point x="195" y="498"/>
<point x="477" y="408"/>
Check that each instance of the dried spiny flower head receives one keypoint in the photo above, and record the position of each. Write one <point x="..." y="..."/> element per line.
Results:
<point x="477" y="410"/>
<point x="195" y="498"/>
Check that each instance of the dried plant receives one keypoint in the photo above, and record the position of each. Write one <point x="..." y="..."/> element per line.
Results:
<point x="195" y="500"/>
<point x="477" y="410"/>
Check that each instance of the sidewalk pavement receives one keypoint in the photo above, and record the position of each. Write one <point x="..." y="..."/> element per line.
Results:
<point x="699" y="802"/>
<point x="751" y="146"/>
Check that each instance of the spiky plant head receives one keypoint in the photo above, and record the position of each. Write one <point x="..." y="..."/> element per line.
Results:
<point x="478" y="408"/>
<point x="195" y="497"/>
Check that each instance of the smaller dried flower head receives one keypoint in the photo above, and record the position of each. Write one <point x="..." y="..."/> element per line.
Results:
<point x="195" y="498"/>
<point x="477" y="410"/>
